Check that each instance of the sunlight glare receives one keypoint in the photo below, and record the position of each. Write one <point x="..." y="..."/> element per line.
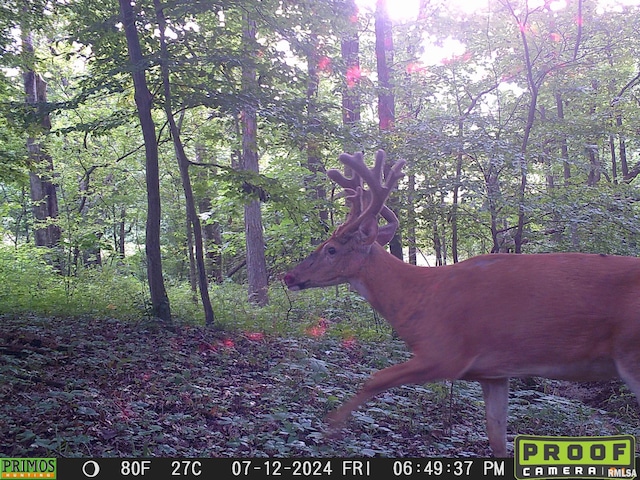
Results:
<point x="399" y="10"/>
<point x="615" y="5"/>
<point x="403" y="10"/>
<point x="437" y="53"/>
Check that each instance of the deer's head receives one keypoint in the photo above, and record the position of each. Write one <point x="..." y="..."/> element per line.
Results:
<point x="341" y="257"/>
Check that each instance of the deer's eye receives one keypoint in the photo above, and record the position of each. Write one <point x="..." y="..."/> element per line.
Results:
<point x="331" y="250"/>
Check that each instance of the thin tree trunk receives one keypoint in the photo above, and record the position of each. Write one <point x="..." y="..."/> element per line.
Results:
<point x="411" y="220"/>
<point x="91" y="255"/>
<point x="159" y="299"/>
<point x="566" y="173"/>
<point x="412" y="106"/>
<point x="183" y="165"/>
<point x="564" y="149"/>
<point x="211" y="230"/>
<point x="314" y="138"/>
<point x="122" y="232"/>
<point x="43" y="191"/>
<point x="533" y="85"/>
<point x="456" y="193"/>
<point x="614" y="162"/>
<point x="256" y="262"/>
<point x="595" y="168"/>
<point x="386" y="98"/>
<point x="193" y="270"/>
<point x="624" y="166"/>
<point x="350" y="49"/>
<point x="384" y="57"/>
<point x="491" y="175"/>
<point x="212" y="236"/>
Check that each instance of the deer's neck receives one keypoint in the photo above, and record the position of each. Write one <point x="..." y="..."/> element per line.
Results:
<point x="394" y="288"/>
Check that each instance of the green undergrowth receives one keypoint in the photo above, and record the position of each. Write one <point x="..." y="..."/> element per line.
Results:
<point x="31" y="285"/>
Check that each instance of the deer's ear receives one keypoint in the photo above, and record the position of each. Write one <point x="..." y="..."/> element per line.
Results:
<point x="368" y="230"/>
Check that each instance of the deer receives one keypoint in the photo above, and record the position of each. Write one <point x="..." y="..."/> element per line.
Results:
<point x="489" y="318"/>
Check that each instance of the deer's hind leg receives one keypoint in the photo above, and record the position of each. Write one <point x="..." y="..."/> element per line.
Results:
<point x="629" y="370"/>
<point x="496" y="402"/>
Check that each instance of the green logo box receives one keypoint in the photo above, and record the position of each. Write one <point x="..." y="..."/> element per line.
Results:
<point x="539" y="457"/>
<point x="24" y="468"/>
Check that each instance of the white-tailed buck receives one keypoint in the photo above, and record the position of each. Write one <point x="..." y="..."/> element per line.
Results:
<point x="565" y="316"/>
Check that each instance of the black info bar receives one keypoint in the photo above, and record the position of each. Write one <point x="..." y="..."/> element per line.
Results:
<point x="254" y="468"/>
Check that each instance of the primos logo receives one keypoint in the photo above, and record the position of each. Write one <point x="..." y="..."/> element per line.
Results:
<point x="575" y="457"/>
<point x="27" y="468"/>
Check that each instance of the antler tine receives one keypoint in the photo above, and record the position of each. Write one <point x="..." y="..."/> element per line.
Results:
<point x="386" y="232"/>
<point x="353" y="182"/>
<point x="378" y="167"/>
<point x="354" y="198"/>
<point x="352" y="188"/>
<point x="373" y="177"/>
<point x="369" y="202"/>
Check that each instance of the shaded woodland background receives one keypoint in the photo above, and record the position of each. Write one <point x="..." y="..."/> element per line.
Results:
<point x="164" y="163"/>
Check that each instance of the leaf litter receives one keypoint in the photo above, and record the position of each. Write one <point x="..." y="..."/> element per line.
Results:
<point x="103" y="387"/>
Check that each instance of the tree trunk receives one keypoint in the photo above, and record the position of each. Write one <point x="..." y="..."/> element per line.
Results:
<point x="533" y="83"/>
<point x="350" y="49"/>
<point x="91" y="255"/>
<point x="314" y="135"/>
<point x="564" y="148"/>
<point x="193" y="270"/>
<point x="212" y="236"/>
<point x="623" y="148"/>
<point x="183" y="165"/>
<point x="211" y="230"/>
<point x="256" y="262"/>
<point x="122" y="232"/>
<point x="384" y="57"/>
<point x="412" y="105"/>
<point x="386" y="99"/>
<point x="566" y="173"/>
<point x="411" y="220"/>
<point x="43" y="192"/>
<point x="159" y="299"/>
<point x="491" y="175"/>
<point x="595" y="169"/>
<point x="456" y="193"/>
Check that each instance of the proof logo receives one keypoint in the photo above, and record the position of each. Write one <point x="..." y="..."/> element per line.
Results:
<point x="571" y="457"/>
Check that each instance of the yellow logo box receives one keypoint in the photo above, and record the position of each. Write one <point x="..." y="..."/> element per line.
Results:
<point x="571" y="457"/>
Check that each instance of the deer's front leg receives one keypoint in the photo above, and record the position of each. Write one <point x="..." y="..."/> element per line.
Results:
<point x="412" y="371"/>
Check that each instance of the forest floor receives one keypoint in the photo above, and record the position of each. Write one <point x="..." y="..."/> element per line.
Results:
<point x="88" y="387"/>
